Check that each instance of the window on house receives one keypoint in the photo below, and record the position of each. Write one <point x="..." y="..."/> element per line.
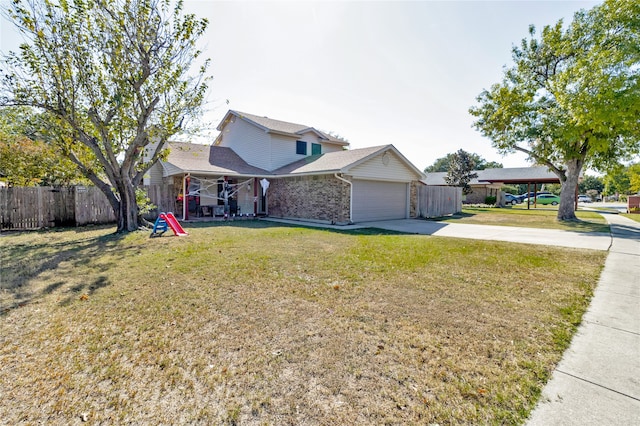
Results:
<point x="301" y="147"/>
<point x="316" y="149"/>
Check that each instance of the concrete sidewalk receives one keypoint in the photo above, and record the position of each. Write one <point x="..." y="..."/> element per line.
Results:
<point x="598" y="379"/>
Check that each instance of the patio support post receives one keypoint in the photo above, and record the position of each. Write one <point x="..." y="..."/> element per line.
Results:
<point x="255" y="196"/>
<point x="185" y="197"/>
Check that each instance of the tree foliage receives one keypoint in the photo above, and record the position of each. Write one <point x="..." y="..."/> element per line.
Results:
<point x="572" y="97"/>
<point x="590" y="182"/>
<point x="442" y="163"/>
<point x="460" y="171"/>
<point x="634" y="178"/>
<point x="622" y="180"/>
<point x="26" y="160"/>
<point x="112" y="78"/>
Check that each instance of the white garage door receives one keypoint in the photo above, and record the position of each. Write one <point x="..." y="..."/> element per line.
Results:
<point x="375" y="200"/>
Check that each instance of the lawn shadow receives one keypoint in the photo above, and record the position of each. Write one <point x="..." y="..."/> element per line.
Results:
<point x="85" y="290"/>
<point x="23" y="263"/>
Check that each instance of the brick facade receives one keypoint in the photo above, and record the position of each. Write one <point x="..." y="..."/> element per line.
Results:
<point x="321" y="197"/>
<point x="480" y="193"/>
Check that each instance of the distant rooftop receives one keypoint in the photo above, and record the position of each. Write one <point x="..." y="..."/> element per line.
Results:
<point x="512" y="175"/>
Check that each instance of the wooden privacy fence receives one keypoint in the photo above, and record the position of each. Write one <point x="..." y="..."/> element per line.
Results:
<point x="438" y="201"/>
<point x="45" y="207"/>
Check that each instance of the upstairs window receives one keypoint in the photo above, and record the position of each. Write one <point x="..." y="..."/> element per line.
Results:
<point x="301" y="147"/>
<point x="316" y="149"/>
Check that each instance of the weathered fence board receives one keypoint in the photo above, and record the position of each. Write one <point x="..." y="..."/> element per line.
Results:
<point x="438" y="201"/>
<point x="163" y="197"/>
<point x="43" y="207"/>
<point x="91" y="206"/>
<point x="26" y="208"/>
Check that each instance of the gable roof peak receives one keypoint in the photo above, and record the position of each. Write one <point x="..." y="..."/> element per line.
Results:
<point x="271" y="125"/>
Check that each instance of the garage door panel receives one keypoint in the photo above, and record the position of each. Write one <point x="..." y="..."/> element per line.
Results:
<point x="377" y="200"/>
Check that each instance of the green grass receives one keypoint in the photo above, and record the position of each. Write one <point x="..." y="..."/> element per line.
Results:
<point x="258" y="323"/>
<point x="633" y="216"/>
<point x="534" y="218"/>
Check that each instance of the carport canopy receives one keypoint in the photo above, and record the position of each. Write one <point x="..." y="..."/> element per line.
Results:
<point x="520" y="175"/>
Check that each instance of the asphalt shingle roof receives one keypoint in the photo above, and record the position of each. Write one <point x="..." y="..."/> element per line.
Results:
<point x="196" y="158"/>
<point x="191" y="157"/>
<point x="510" y="175"/>
<point x="330" y="161"/>
<point x="283" y="126"/>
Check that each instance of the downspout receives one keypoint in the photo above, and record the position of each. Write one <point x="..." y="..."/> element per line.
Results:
<point x="350" y="194"/>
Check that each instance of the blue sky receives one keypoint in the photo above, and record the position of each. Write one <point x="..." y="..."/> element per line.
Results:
<point x="374" y="72"/>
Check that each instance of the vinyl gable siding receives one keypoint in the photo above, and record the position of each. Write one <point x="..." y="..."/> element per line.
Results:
<point x="154" y="175"/>
<point x="251" y="143"/>
<point x="283" y="151"/>
<point x="375" y="168"/>
<point x="311" y="137"/>
<point x="329" y="147"/>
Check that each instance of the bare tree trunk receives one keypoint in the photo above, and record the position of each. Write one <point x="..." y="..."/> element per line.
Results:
<point x="566" y="211"/>
<point x="127" y="214"/>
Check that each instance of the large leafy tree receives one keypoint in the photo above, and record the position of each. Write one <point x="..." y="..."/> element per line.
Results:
<point x="591" y="183"/>
<point x="442" y="163"/>
<point x="26" y="160"/>
<point x="616" y="181"/>
<point x="461" y="171"/>
<point x="113" y="79"/>
<point x="572" y="98"/>
<point x="634" y="178"/>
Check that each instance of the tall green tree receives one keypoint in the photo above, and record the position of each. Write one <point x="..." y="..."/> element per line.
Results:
<point x="616" y="181"/>
<point x="25" y="160"/>
<point x="572" y="97"/>
<point x="590" y="182"/>
<point x="112" y="78"/>
<point x="634" y="178"/>
<point x="442" y="163"/>
<point x="461" y="171"/>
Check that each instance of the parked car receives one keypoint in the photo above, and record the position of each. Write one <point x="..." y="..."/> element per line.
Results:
<point x="511" y="199"/>
<point x="554" y="200"/>
<point x="584" y="198"/>
<point x="532" y="194"/>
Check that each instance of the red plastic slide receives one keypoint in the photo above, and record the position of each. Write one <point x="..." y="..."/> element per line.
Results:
<point x="173" y="224"/>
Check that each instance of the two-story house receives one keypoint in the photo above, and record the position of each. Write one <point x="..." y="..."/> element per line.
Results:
<point x="258" y="165"/>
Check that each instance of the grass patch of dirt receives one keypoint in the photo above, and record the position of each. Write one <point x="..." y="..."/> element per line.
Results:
<point x="256" y="323"/>
<point x="588" y="221"/>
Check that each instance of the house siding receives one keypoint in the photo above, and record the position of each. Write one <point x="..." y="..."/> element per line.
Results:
<point x="283" y="151"/>
<point x="251" y="143"/>
<point x="154" y="175"/>
<point x="374" y="168"/>
<point x="321" y="198"/>
<point x="311" y="137"/>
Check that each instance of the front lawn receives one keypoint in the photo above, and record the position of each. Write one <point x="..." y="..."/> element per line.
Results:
<point x="588" y="221"/>
<point x="258" y="323"/>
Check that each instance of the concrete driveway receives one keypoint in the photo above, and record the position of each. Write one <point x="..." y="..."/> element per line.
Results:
<point x="551" y="237"/>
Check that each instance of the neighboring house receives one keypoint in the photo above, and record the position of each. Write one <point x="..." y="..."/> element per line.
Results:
<point x="288" y="170"/>
<point x="489" y="181"/>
